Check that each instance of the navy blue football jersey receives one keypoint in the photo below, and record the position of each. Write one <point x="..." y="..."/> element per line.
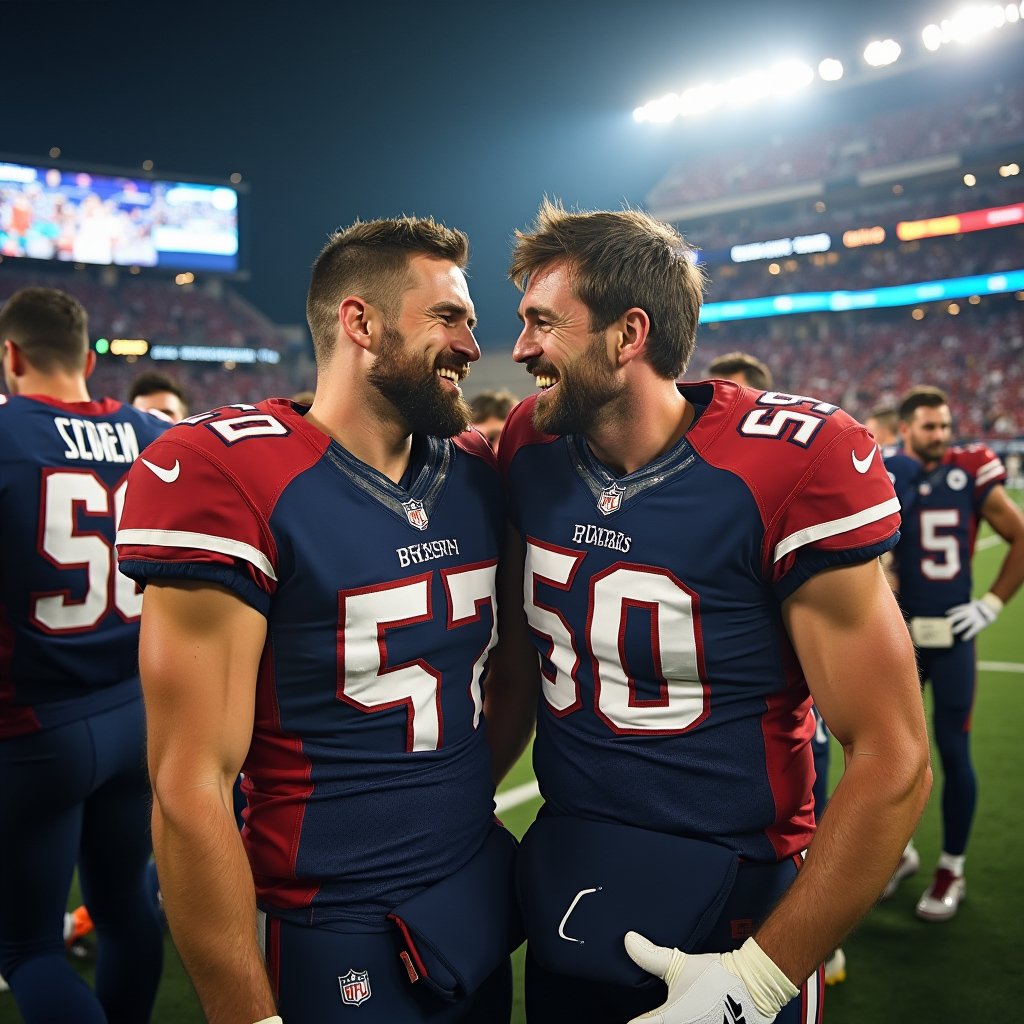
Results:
<point x="672" y="697"/>
<point x="368" y="777"/>
<point x="941" y="511"/>
<point x="69" y="621"/>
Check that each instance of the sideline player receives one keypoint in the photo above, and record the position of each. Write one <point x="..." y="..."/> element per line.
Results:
<point x="945" y="492"/>
<point x="741" y="368"/>
<point x="160" y="393"/>
<point x="696" y="557"/>
<point x="490" y="409"/>
<point x="319" y="608"/>
<point x="884" y="424"/>
<point x="73" y="785"/>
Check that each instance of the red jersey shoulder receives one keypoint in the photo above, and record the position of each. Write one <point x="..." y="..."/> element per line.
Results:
<point x="474" y="443"/>
<point x="258" y="448"/>
<point x="519" y="431"/>
<point x="775" y="440"/>
<point x="979" y="462"/>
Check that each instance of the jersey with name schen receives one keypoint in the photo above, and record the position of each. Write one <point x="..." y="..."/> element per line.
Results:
<point x="69" y="621"/>
<point x="368" y="777"/>
<point x="941" y="509"/>
<point x="672" y="696"/>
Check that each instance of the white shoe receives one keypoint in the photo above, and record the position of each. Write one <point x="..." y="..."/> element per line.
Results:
<point x="835" y="968"/>
<point x="910" y="861"/>
<point x="4" y="987"/>
<point x="943" y="897"/>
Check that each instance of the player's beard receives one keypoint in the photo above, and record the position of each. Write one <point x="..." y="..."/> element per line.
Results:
<point x="413" y="389"/>
<point x="929" y="452"/>
<point x="586" y="394"/>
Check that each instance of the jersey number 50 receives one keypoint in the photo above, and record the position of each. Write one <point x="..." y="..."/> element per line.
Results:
<point x="67" y="494"/>
<point x="676" y="647"/>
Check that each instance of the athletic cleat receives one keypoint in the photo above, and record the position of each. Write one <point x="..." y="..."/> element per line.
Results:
<point x="910" y="861"/>
<point x="835" y="968"/>
<point x="79" y="925"/>
<point x="943" y="898"/>
<point x="4" y="987"/>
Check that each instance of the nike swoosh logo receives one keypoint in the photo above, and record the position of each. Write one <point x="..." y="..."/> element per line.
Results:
<point x="862" y="465"/>
<point x="167" y="475"/>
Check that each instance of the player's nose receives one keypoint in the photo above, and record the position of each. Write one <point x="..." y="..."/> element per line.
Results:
<point x="525" y="347"/>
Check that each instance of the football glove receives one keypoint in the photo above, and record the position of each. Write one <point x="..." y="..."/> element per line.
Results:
<point x="270" y="1020"/>
<point x="712" y="988"/>
<point x="968" y="620"/>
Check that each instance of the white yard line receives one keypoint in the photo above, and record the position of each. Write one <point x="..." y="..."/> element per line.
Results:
<point x="1000" y="666"/>
<point x="515" y="796"/>
<point x="988" y="542"/>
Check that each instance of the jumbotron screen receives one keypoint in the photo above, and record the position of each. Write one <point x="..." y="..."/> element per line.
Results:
<point x="77" y="216"/>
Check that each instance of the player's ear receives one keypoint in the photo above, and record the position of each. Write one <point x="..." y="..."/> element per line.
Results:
<point x="90" y="363"/>
<point x="14" y="359"/>
<point x="354" y="320"/>
<point x="633" y="328"/>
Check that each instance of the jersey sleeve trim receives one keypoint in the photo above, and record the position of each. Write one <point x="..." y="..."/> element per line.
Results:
<point x="203" y="541"/>
<point x="989" y="472"/>
<point x="834" y="527"/>
<point x="144" y="571"/>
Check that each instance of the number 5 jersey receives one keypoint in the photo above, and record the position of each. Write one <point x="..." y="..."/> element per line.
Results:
<point x="672" y="697"/>
<point x="368" y="777"/>
<point x="69" y="621"/>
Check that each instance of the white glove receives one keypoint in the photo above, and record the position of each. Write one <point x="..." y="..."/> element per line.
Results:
<point x="706" y="988"/>
<point x="270" y="1020"/>
<point x="968" y="620"/>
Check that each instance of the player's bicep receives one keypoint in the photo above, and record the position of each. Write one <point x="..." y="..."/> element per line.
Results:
<point x="199" y="655"/>
<point x="1003" y="515"/>
<point x="857" y="657"/>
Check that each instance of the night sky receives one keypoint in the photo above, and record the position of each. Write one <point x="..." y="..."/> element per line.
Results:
<point x="466" y="111"/>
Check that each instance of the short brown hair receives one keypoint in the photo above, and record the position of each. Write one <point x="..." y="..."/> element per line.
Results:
<point x="757" y="374"/>
<point x="371" y="259"/>
<point x="885" y="416"/>
<point x="617" y="260"/>
<point x="923" y="396"/>
<point x="492" y="405"/>
<point x="151" y="382"/>
<point x="49" y="326"/>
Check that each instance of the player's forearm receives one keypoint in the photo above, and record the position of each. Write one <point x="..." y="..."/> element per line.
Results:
<point x="869" y="819"/>
<point x="1011" y="572"/>
<point x="209" y="899"/>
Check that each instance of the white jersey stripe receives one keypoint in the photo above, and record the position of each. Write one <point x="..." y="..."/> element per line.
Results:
<point x="203" y="541"/>
<point x="989" y="470"/>
<point x="834" y="527"/>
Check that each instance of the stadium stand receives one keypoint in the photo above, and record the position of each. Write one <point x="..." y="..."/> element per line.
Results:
<point x="169" y="315"/>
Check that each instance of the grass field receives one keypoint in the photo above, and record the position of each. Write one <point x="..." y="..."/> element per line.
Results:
<point x="900" y="969"/>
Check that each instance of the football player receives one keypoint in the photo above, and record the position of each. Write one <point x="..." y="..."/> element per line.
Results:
<point x="319" y="609"/>
<point x="73" y="785"/>
<point x="698" y="560"/>
<point x="945" y="492"/>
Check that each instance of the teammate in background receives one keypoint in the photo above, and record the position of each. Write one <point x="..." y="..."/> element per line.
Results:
<point x="741" y="368"/>
<point x="945" y="492"/>
<point x="73" y="785"/>
<point x="320" y="604"/>
<point x="883" y="422"/>
<point x="490" y="409"/>
<point x="696" y="557"/>
<point x="160" y="393"/>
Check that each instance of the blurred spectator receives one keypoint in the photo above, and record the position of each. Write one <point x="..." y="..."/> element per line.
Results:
<point x="884" y="424"/>
<point x="490" y="410"/>
<point x="160" y="393"/>
<point x="741" y="368"/>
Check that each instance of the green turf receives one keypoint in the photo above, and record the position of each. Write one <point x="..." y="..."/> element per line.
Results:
<point x="900" y="969"/>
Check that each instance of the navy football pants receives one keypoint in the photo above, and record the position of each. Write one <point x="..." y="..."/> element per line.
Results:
<point x="953" y="672"/>
<point x="554" y="999"/>
<point x="307" y="968"/>
<point x="78" y="792"/>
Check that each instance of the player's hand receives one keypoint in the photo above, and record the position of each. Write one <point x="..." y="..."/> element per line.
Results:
<point x="968" y="620"/>
<point x="700" y="989"/>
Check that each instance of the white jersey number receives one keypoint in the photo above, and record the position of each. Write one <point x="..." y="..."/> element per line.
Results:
<point x="675" y="645"/>
<point x="944" y="544"/>
<point x="68" y="494"/>
<point x="366" y="679"/>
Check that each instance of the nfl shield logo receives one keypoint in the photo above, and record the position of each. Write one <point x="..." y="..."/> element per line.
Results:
<point x="416" y="514"/>
<point x="355" y="987"/>
<point x="610" y="499"/>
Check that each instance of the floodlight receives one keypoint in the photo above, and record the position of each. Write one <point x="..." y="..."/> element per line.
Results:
<point x="970" y="180"/>
<point x="830" y="69"/>
<point x="932" y="37"/>
<point x="791" y="75"/>
<point x="1013" y="13"/>
<point x="882" y="52"/>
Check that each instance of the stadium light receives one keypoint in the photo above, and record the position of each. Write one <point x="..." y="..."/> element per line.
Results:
<point x="970" y="180"/>
<point x="830" y="69"/>
<point x="882" y="52"/>
<point x="970" y="23"/>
